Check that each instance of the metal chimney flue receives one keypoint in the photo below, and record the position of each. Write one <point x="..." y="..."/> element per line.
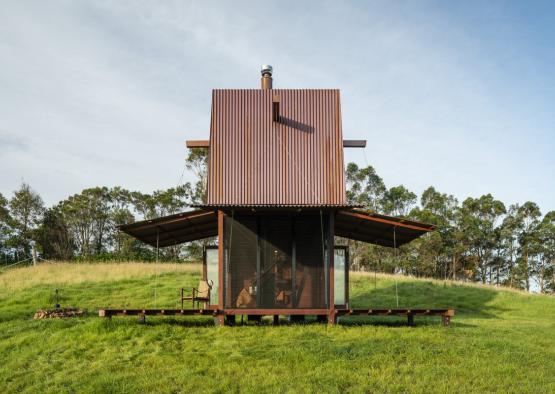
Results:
<point x="266" y="80"/>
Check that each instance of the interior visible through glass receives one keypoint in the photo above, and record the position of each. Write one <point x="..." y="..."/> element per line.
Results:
<point x="274" y="261"/>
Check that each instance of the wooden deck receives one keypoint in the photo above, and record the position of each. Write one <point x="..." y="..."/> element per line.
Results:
<point x="445" y="314"/>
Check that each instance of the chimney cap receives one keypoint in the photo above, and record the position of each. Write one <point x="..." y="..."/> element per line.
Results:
<point x="266" y="69"/>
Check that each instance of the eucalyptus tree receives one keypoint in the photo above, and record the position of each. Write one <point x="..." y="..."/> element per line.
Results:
<point x="398" y="201"/>
<point x="527" y="222"/>
<point x="54" y="237"/>
<point x="546" y="256"/>
<point x="197" y="162"/>
<point x="508" y="247"/>
<point x="5" y="227"/>
<point x="439" y="251"/>
<point x="478" y="220"/>
<point x="121" y="212"/>
<point x="26" y="209"/>
<point x="365" y="187"/>
<point x="87" y="217"/>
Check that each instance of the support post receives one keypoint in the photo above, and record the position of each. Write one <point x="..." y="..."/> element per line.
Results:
<point x="182" y="298"/>
<point x="230" y="320"/>
<point x="255" y="318"/>
<point x="219" y="320"/>
<point x="276" y="320"/>
<point x="296" y="318"/>
<point x="446" y="320"/>
<point x="221" y="285"/>
<point x="332" y="318"/>
<point x="410" y="320"/>
<point x="34" y="253"/>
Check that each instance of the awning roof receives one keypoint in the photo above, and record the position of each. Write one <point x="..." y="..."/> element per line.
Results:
<point x="378" y="229"/>
<point x="358" y="225"/>
<point x="175" y="229"/>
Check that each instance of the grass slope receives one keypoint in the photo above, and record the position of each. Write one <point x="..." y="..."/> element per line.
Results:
<point x="500" y="341"/>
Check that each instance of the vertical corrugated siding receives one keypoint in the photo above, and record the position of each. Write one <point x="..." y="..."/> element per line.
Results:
<point x="256" y="161"/>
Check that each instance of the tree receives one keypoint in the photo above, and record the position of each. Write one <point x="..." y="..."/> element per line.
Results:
<point x="508" y="246"/>
<point x="121" y="213"/>
<point x="478" y="219"/>
<point x="527" y="221"/>
<point x="197" y="161"/>
<point x="398" y="201"/>
<point x="364" y="187"/>
<point x="53" y="236"/>
<point x="87" y="216"/>
<point x="26" y="209"/>
<point x="546" y="253"/>
<point x="5" y="226"/>
<point x="441" y="247"/>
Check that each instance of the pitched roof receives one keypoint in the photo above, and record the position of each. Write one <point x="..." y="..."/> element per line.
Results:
<point x="258" y="157"/>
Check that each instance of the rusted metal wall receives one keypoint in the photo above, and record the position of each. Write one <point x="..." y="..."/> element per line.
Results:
<point x="296" y="160"/>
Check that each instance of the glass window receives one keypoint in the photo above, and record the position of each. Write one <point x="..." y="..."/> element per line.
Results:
<point x="339" y="268"/>
<point x="212" y="273"/>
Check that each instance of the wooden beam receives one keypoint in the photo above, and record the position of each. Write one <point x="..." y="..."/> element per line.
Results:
<point x="368" y="217"/>
<point x="157" y="312"/>
<point x="198" y="144"/>
<point x="354" y="143"/>
<point x="275" y="311"/>
<point x="275" y="118"/>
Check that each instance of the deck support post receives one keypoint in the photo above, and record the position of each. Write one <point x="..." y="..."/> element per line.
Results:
<point x="332" y="318"/>
<point x="410" y="320"/>
<point x="219" y="320"/>
<point x="296" y="318"/>
<point x="221" y="284"/>
<point x="276" y="320"/>
<point x="321" y="318"/>
<point x="255" y="318"/>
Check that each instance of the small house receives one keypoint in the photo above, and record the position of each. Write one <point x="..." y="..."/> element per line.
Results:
<point x="276" y="201"/>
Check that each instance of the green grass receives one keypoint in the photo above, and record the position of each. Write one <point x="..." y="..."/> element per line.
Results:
<point x="499" y="341"/>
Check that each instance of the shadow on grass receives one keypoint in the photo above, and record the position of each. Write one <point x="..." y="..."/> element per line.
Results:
<point x="426" y="295"/>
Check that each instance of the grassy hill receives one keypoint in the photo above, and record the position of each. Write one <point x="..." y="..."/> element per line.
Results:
<point x="499" y="341"/>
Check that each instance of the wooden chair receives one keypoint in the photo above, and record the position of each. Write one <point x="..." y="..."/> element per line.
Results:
<point x="199" y="294"/>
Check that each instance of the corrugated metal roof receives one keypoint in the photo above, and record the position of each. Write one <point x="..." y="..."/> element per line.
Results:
<point x="353" y="224"/>
<point x="378" y="229"/>
<point x="174" y="229"/>
<point x="296" y="160"/>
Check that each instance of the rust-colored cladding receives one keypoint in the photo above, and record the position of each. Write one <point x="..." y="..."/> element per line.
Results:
<point x="296" y="160"/>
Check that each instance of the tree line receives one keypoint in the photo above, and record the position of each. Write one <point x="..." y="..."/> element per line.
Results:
<point x="85" y="226"/>
<point x="478" y="239"/>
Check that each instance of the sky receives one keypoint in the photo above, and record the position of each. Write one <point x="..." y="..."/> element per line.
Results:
<point x="458" y="95"/>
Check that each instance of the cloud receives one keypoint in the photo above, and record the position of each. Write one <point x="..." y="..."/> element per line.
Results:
<point x="10" y="143"/>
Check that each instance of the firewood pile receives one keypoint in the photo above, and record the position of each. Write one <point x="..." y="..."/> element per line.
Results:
<point x="58" y="313"/>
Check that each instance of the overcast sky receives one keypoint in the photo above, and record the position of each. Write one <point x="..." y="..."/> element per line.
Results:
<point x="460" y="96"/>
